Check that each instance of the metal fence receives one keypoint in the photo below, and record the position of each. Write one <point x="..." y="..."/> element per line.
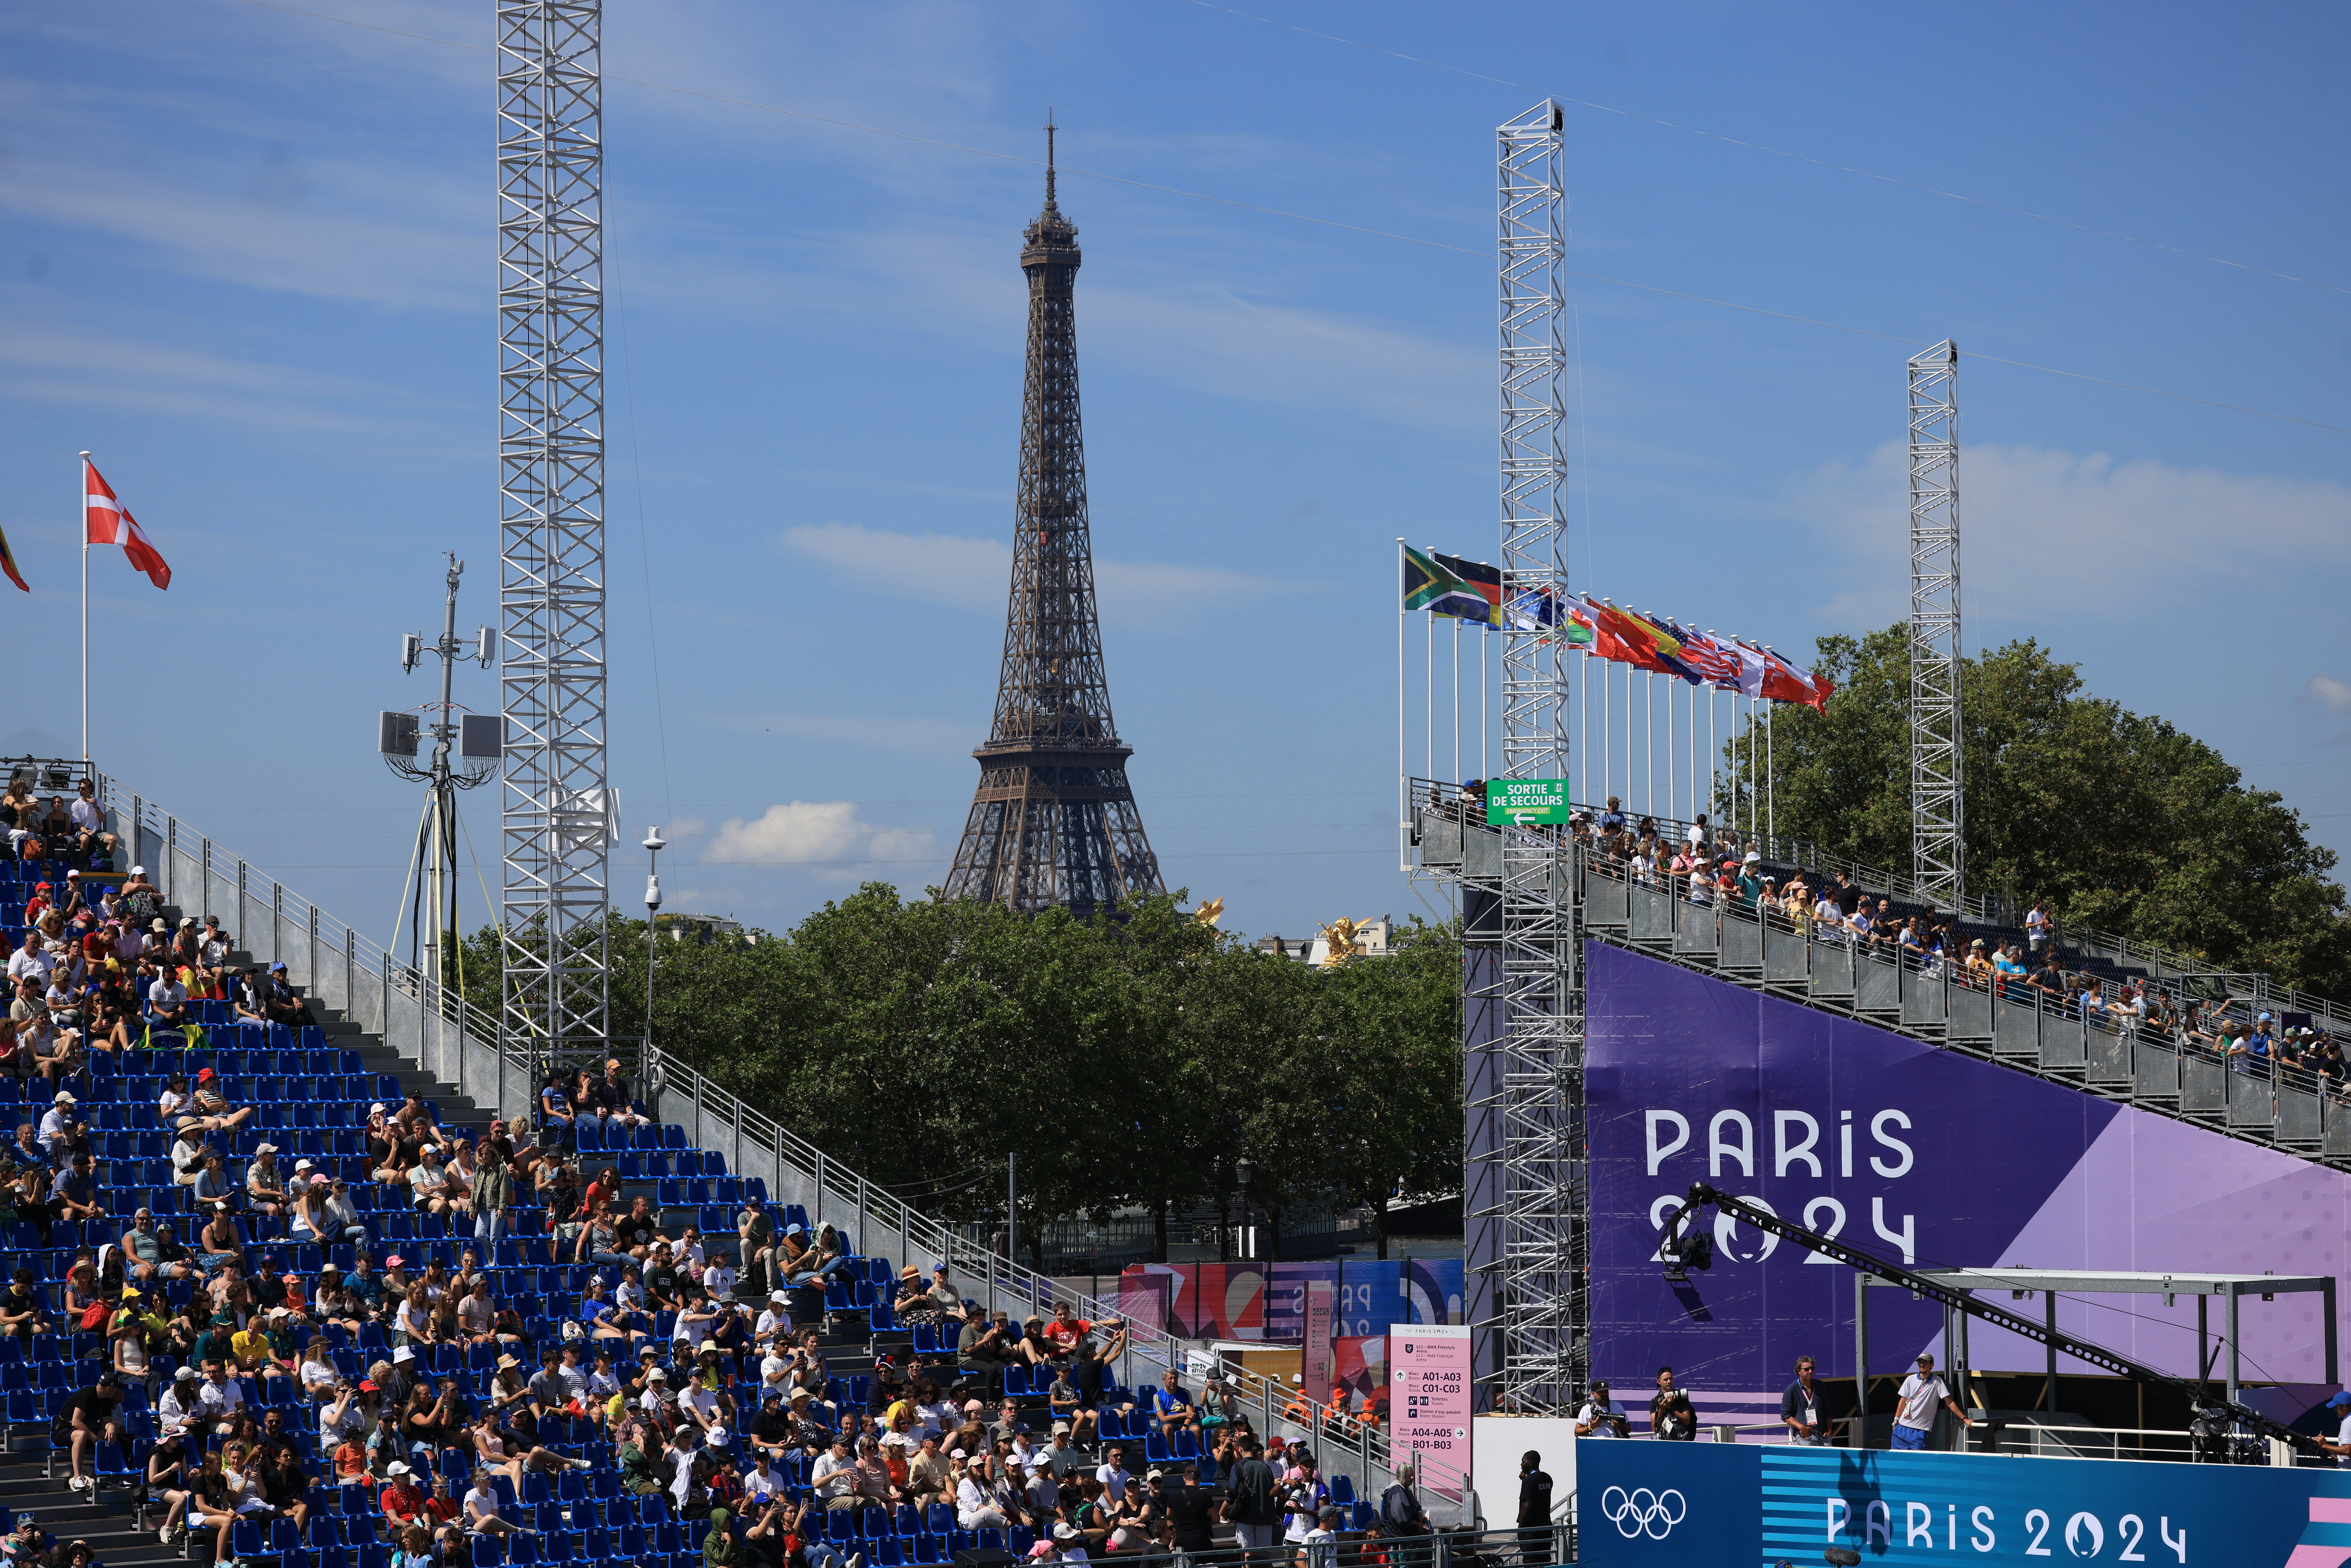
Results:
<point x="1452" y="835"/>
<point x="1999" y="1019"/>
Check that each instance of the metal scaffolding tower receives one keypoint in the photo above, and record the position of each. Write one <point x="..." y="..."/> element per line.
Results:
<point x="557" y="815"/>
<point x="1053" y="820"/>
<point x="1937" y="815"/>
<point x="1524" y="1091"/>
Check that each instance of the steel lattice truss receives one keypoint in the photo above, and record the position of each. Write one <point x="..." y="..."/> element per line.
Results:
<point x="551" y="527"/>
<point x="1053" y="820"/>
<point x="1937" y="815"/>
<point x="1525" y="1075"/>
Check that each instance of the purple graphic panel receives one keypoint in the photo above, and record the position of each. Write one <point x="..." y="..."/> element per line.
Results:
<point x="1913" y="1153"/>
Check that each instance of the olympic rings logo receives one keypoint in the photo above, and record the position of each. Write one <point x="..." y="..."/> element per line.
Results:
<point x="1643" y="1512"/>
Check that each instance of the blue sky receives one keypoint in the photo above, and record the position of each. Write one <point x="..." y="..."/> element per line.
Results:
<point x="246" y="256"/>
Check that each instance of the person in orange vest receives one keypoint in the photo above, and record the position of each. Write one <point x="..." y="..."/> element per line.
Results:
<point x="1341" y="1406"/>
<point x="1375" y="1407"/>
<point x="1300" y="1409"/>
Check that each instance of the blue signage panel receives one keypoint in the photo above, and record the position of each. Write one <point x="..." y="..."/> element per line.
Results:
<point x="1640" y="1503"/>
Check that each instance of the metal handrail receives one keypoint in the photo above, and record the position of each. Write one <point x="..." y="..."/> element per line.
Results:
<point x="967" y="1260"/>
<point x="2162" y="965"/>
<point x="1938" y="966"/>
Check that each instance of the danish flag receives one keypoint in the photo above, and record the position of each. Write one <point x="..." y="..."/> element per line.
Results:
<point x="109" y="523"/>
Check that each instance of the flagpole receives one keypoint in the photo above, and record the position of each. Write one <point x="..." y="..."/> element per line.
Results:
<point x="1404" y="789"/>
<point x="1649" y="740"/>
<point x="1770" y="783"/>
<point x="1484" y="703"/>
<point x="82" y="506"/>
<point x="1456" y="702"/>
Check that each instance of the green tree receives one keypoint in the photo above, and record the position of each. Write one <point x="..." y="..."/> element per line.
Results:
<point x="1122" y="1061"/>
<point x="2119" y="820"/>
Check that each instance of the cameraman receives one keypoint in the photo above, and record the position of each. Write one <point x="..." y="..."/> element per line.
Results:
<point x="1303" y="1496"/>
<point x="1671" y="1418"/>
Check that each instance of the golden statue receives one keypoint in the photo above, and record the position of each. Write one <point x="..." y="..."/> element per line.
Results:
<point x="1341" y="936"/>
<point x="1208" y="914"/>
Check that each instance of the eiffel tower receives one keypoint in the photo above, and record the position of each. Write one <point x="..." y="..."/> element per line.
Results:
<point x="1053" y="820"/>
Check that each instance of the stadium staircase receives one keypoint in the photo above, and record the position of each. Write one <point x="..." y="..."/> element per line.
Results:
<point x="2019" y="1029"/>
<point x="386" y="1029"/>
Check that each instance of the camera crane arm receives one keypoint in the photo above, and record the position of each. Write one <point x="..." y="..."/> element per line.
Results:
<point x="1684" y="1249"/>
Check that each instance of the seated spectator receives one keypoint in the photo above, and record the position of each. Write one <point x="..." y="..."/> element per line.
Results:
<point x="265" y="1189"/>
<point x="1170" y="1404"/>
<point x="431" y="1188"/>
<point x="209" y="1108"/>
<point x="167" y="1002"/>
<point x="282" y="1005"/>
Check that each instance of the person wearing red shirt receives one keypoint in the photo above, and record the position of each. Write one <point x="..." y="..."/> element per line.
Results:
<point x="401" y="1501"/>
<point x="1067" y="1328"/>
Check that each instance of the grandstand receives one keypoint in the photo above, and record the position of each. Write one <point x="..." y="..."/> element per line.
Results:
<point x="2157" y="1032"/>
<point x="385" y="1034"/>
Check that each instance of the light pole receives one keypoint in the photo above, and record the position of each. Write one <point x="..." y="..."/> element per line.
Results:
<point x="1242" y="1170"/>
<point x="654" y="844"/>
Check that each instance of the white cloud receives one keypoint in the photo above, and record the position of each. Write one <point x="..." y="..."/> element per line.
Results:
<point x="42" y="361"/>
<point x="2049" y="533"/>
<point x="387" y="227"/>
<point x="2335" y="694"/>
<point x="815" y="833"/>
<point x="973" y="574"/>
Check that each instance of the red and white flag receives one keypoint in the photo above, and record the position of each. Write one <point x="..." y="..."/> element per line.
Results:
<point x="110" y="523"/>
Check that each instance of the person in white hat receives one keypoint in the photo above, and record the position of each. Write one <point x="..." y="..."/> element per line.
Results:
<point x="264" y="1188"/>
<point x="58" y="1121"/>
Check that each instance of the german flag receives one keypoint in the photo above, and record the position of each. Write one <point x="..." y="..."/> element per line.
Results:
<point x="8" y="565"/>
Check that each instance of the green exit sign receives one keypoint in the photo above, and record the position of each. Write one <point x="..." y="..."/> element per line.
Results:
<point x="1526" y="800"/>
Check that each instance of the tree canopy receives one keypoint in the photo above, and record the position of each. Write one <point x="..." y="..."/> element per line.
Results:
<point x="1125" y="1060"/>
<point x="2119" y="820"/>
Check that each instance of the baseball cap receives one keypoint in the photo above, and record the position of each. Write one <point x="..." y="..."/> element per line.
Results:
<point x="65" y="1099"/>
<point x="158" y="925"/>
<point x="1061" y="1425"/>
<point x="185" y="1374"/>
<point x="265" y="1149"/>
<point x="1041" y="1549"/>
<point x="393" y="1262"/>
<point x="655" y="1375"/>
<point x="205" y="1076"/>
<point x="779" y="1296"/>
<point x="396" y="1469"/>
<point x="139" y="870"/>
<point x="277" y="969"/>
<point x="2340" y="1400"/>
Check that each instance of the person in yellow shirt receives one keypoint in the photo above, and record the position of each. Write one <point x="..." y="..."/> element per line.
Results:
<point x="252" y="1350"/>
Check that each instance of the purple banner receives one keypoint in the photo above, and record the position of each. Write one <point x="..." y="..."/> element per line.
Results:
<point x="1915" y="1154"/>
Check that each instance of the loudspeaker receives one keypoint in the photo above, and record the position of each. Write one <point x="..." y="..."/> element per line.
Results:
<point x="983" y="1557"/>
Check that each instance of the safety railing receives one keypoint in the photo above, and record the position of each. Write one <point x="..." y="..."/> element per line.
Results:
<point x="417" y="1016"/>
<point x="2003" y="1018"/>
<point x="882" y="1225"/>
<point x="1458" y="817"/>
